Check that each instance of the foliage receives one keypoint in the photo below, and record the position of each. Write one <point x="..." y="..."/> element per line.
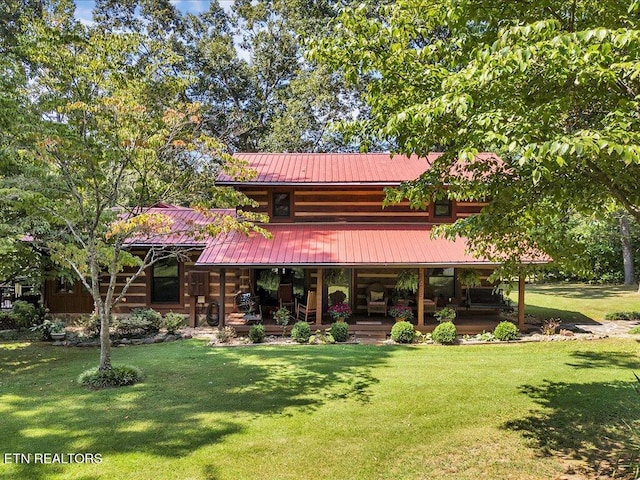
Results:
<point x="336" y="276"/>
<point x="403" y="312"/>
<point x="635" y="330"/>
<point x="506" y="331"/>
<point x="282" y="316"/>
<point x="402" y="332"/>
<point x="447" y="314"/>
<point x="340" y="331"/>
<point x="47" y="327"/>
<point x="25" y="313"/>
<point x="469" y="277"/>
<point x="550" y="326"/>
<point x="551" y="88"/>
<point x="257" y="333"/>
<point x="90" y="325"/>
<point x="268" y="280"/>
<point x="8" y="321"/>
<point x="226" y="334"/>
<point x="407" y="282"/>
<point x="622" y="316"/>
<point x="134" y="326"/>
<point x="149" y="315"/>
<point x="445" y="333"/>
<point x="321" y="338"/>
<point x="485" y="337"/>
<point x="117" y="376"/>
<point x="173" y="321"/>
<point x="339" y="311"/>
<point x="301" y="332"/>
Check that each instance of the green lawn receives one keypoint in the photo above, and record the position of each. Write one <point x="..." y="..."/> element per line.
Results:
<point x="575" y="302"/>
<point x="326" y="412"/>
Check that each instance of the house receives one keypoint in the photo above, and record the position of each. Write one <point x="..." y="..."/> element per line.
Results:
<point x="330" y="233"/>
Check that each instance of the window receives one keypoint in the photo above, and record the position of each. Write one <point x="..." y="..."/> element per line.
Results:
<point x="281" y="205"/>
<point x="441" y="283"/>
<point x="165" y="281"/>
<point x="442" y="208"/>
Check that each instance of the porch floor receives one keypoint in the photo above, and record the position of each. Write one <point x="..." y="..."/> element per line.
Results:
<point x="379" y="327"/>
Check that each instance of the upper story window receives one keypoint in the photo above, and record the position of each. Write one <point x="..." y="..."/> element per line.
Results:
<point x="165" y="281"/>
<point x="281" y="208"/>
<point x="442" y="208"/>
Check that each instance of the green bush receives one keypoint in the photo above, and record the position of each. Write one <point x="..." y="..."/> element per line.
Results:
<point x="90" y="325"/>
<point x="150" y="315"/>
<point x="635" y="330"/>
<point x="402" y="332"/>
<point x="617" y="316"/>
<point x="301" y="332"/>
<point x="257" y="333"/>
<point x="340" y="331"/>
<point x="118" y="376"/>
<point x="133" y="327"/>
<point x="445" y="333"/>
<point x="26" y="314"/>
<point x="506" y="331"/>
<point x="173" y="321"/>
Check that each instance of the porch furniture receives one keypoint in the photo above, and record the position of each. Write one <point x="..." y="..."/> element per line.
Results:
<point x="429" y="305"/>
<point x="487" y="298"/>
<point x="253" y="317"/>
<point x="377" y="299"/>
<point x="308" y="310"/>
<point x="245" y="302"/>
<point x="285" y="295"/>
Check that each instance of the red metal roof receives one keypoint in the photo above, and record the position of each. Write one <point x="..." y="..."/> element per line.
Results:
<point x="333" y="245"/>
<point x="335" y="168"/>
<point x="182" y="223"/>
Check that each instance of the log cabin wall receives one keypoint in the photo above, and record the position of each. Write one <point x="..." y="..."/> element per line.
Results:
<point x="350" y="204"/>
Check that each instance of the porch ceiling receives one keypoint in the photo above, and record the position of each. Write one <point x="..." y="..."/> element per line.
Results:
<point x="325" y="245"/>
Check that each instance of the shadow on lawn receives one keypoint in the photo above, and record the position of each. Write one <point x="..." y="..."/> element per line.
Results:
<point x="593" y="427"/>
<point x="622" y="360"/>
<point x="193" y="396"/>
<point x="567" y="316"/>
<point x="582" y="292"/>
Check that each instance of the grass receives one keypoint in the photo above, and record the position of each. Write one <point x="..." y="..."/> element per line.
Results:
<point x="572" y="302"/>
<point x="520" y="411"/>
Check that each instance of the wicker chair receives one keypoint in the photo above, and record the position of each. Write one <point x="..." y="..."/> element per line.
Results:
<point x="377" y="299"/>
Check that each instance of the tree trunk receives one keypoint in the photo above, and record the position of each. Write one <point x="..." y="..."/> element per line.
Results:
<point x="105" y="340"/>
<point x="627" y="251"/>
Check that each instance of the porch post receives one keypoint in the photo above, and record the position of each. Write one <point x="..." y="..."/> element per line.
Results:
<point x="421" y="297"/>
<point x="521" y="302"/>
<point x="319" y="289"/>
<point x="223" y="287"/>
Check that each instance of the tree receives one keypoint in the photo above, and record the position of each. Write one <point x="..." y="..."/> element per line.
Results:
<point x="551" y="87"/>
<point x="114" y="135"/>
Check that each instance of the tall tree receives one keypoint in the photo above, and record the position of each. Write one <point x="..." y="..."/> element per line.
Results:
<point x="552" y="87"/>
<point x="114" y="135"/>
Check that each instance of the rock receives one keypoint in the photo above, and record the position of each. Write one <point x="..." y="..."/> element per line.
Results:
<point x="170" y="338"/>
<point x="159" y="338"/>
<point x="148" y="340"/>
<point x="187" y="336"/>
<point x="58" y="343"/>
<point x="136" y="341"/>
<point x="125" y="341"/>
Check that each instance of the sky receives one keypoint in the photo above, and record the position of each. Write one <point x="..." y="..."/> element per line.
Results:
<point x="84" y="7"/>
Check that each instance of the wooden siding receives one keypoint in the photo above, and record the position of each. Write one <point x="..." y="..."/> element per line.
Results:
<point x="356" y="204"/>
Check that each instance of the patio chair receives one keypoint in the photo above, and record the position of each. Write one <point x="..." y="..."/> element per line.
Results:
<point x="285" y="295"/>
<point x="377" y="299"/>
<point x="307" y="310"/>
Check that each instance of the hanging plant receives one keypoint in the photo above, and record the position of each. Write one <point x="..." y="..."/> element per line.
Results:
<point x="407" y="281"/>
<point x="336" y="276"/>
<point x="269" y="280"/>
<point x="469" y="277"/>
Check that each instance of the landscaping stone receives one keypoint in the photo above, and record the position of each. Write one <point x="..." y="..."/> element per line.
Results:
<point x="159" y="338"/>
<point x="170" y="338"/>
<point x="125" y="341"/>
<point x="186" y="336"/>
<point x="148" y="341"/>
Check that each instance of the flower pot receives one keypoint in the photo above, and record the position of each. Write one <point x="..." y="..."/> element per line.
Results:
<point x="58" y="335"/>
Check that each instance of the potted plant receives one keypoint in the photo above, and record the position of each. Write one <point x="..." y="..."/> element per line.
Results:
<point x="469" y="277"/>
<point x="282" y="317"/>
<point x="339" y="312"/>
<point x="447" y="314"/>
<point x="58" y="331"/>
<point x="406" y="285"/>
<point x="401" y="313"/>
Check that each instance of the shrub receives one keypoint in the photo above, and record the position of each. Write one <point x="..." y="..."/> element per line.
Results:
<point x="25" y="313"/>
<point x="485" y="337"/>
<point x="150" y="315"/>
<point x="550" y="326"/>
<point x="173" y="321"/>
<point x="226" y="334"/>
<point x="117" y="376"/>
<point x="321" y="337"/>
<point x="635" y="330"/>
<point x="133" y="327"/>
<point x="402" y="332"/>
<point x="90" y="325"/>
<point x="282" y="317"/>
<point x="301" y="332"/>
<point x="445" y="333"/>
<point x="257" y="333"/>
<point x="48" y="327"/>
<point x="506" y="331"/>
<point x="340" y="331"/>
